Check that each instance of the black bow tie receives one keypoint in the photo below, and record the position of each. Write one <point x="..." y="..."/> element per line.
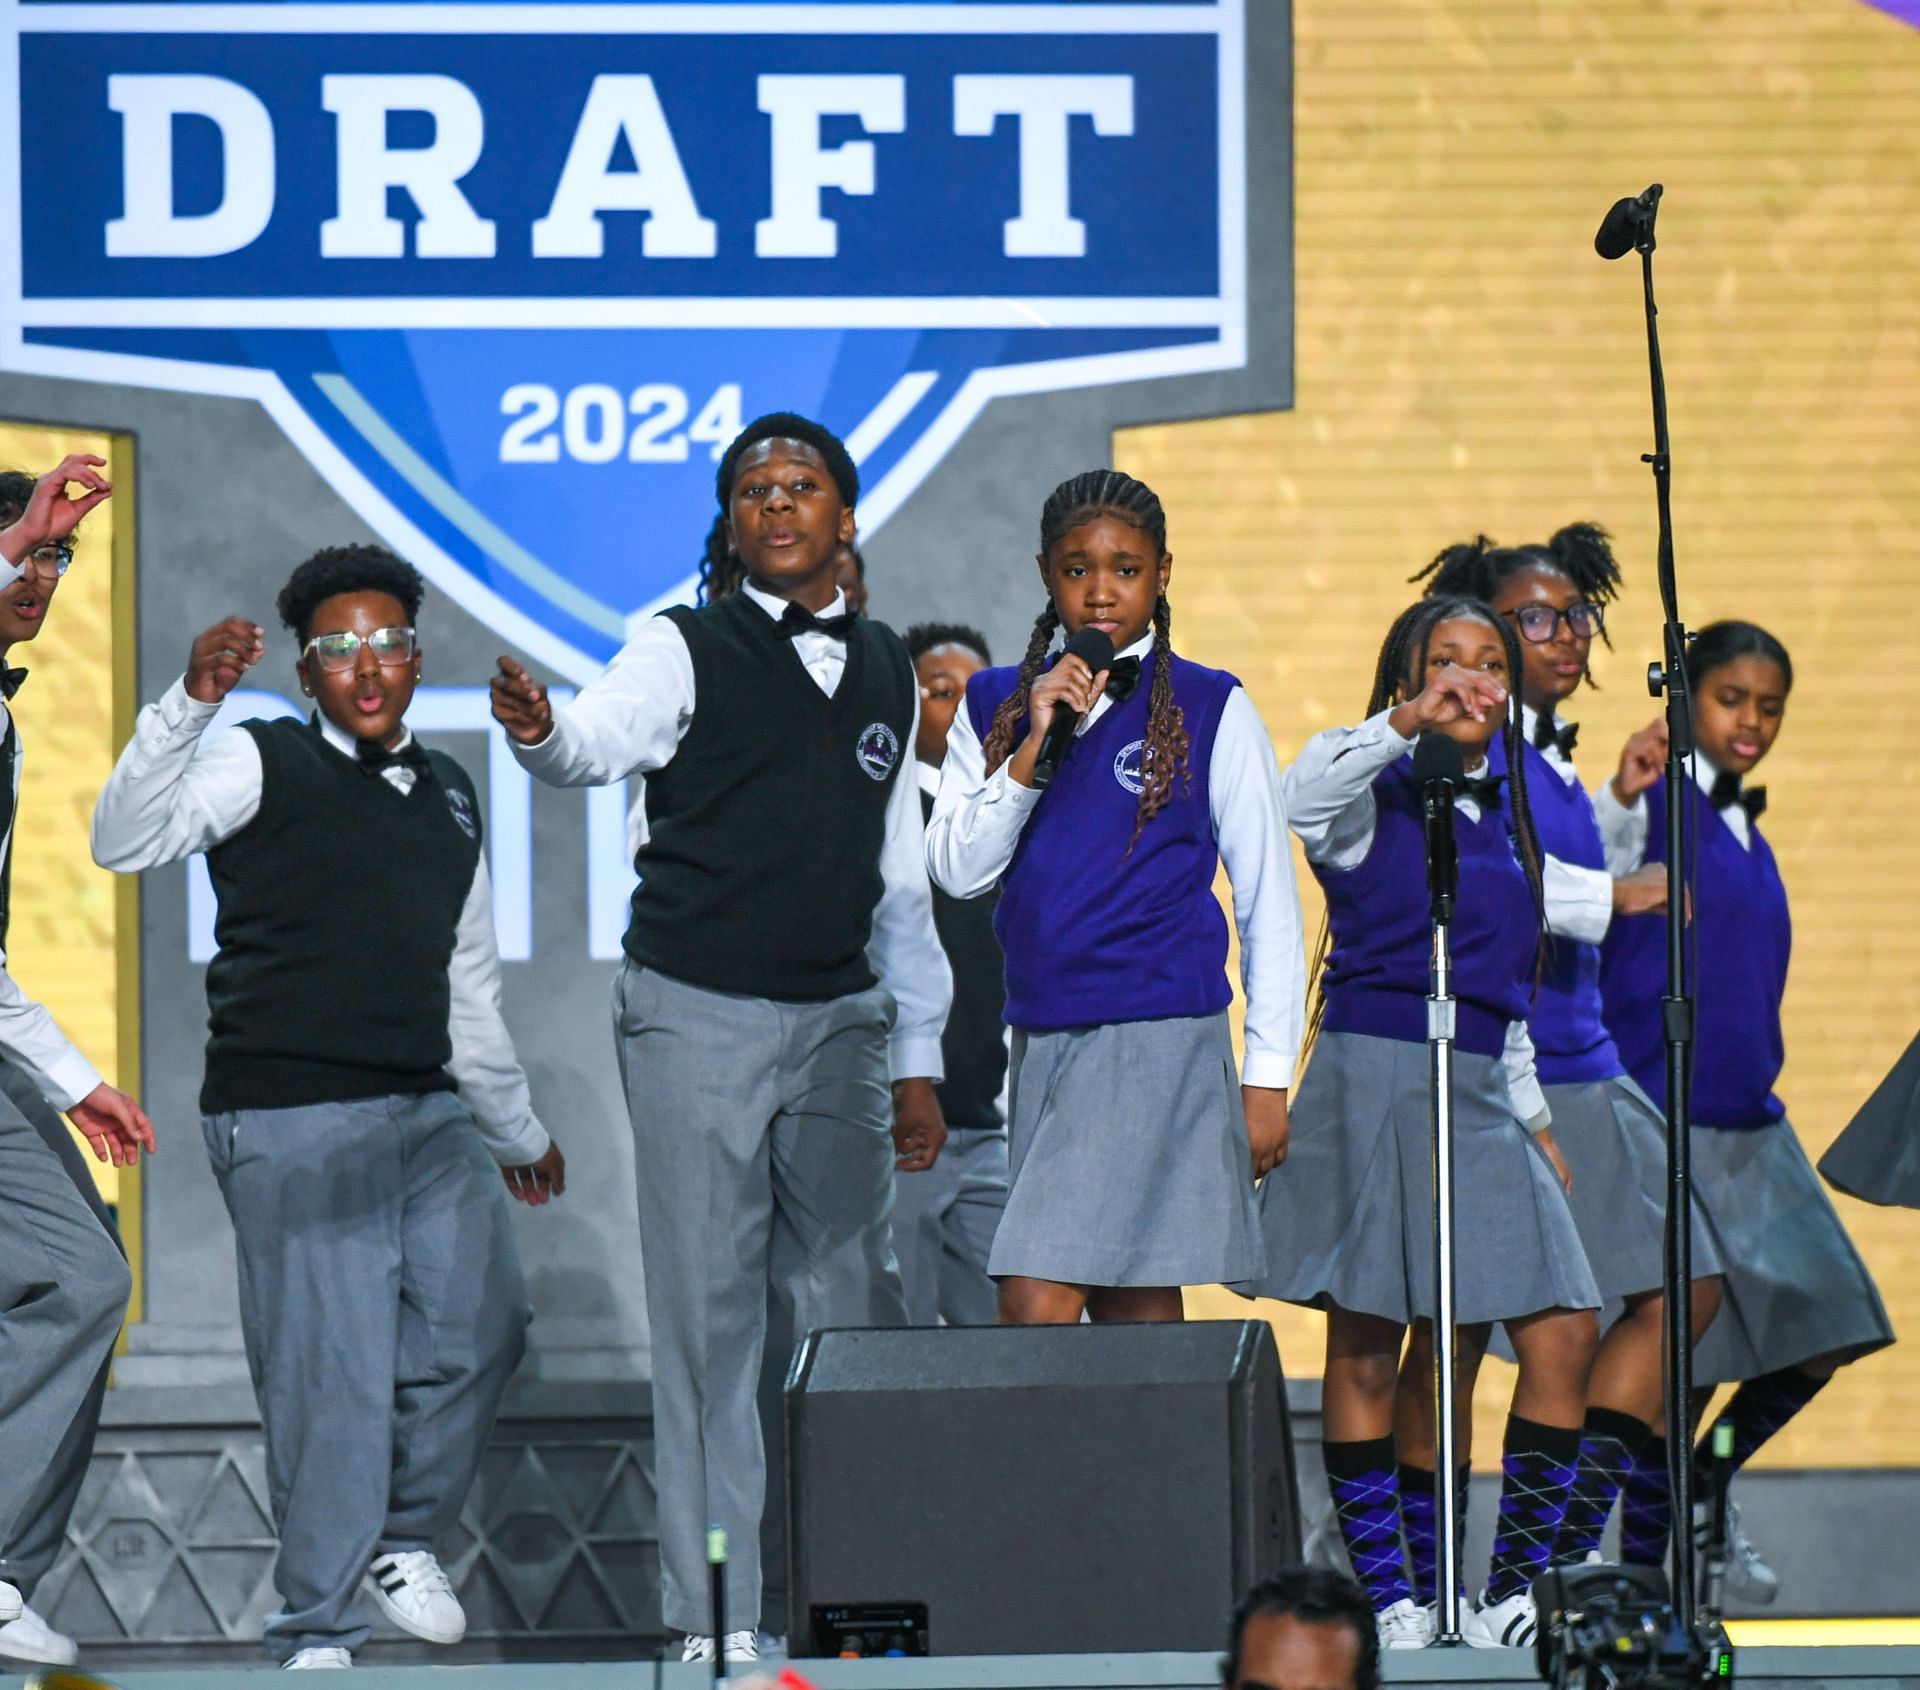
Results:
<point x="1122" y="678"/>
<point x="1485" y="791"/>
<point x="1728" y="791"/>
<point x="1549" y="735"/>
<point x="374" y="757"/>
<point x="796" y="619"/>
<point x="10" y="680"/>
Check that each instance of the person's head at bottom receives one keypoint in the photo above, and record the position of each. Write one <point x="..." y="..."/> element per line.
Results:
<point x="1305" y="1628"/>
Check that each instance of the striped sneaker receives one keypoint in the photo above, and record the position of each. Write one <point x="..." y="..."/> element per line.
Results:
<point x="1404" y="1625"/>
<point x="740" y="1646"/>
<point x="413" y="1592"/>
<point x="1509" y="1623"/>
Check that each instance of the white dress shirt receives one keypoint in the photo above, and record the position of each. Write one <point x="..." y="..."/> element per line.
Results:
<point x="631" y="719"/>
<point x="1623" y="827"/>
<point x="1579" y="901"/>
<point x="1329" y="794"/>
<point x="29" y="1037"/>
<point x="977" y="821"/>
<point x="172" y="794"/>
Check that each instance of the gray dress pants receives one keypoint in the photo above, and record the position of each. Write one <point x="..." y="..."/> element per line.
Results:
<point x="764" y="1153"/>
<point x="64" y="1286"/>
<point x="383" y="1310"/>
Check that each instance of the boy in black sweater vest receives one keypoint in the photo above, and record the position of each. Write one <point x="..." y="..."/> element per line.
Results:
<point x="64" y="1282"/>
<point x="781" y="955"/>
<point x="360" y="1088"/>
<point x="944" y="1220"/>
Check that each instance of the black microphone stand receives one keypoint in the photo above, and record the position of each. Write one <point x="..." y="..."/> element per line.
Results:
<point x="1670" y="678"/>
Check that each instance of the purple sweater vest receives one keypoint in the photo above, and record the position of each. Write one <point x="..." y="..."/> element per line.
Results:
<point x="1743" y="935"/>
<point x="1094" y="935"/>
<point x="1376" y="979"/>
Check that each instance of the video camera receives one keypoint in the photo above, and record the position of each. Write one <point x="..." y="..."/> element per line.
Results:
<point x="1614" y="1627"/>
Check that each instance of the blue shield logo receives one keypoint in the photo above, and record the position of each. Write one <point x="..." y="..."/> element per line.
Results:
<point x="510" y="276"/>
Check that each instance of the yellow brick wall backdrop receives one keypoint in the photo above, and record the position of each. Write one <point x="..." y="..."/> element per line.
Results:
<point x="1465" y="362"/>
<point x="61" y="939"/>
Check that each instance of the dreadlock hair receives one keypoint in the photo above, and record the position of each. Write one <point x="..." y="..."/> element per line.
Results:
<point x="347" y="569"/>
<point x="1403" y="665"/>
<point x="1722" y="642"/>
<point x="1088" y="496"/>
<point x="721" y="570"/>
<point x="784" y="425"/>
<point x="924" y="637"/>
<point x="1477" y="568"/>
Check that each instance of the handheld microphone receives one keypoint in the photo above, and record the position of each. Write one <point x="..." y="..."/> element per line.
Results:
<point x="1439" y="770"/>
<point x="1621" y="229"/>
<point x="1094" y="649"/>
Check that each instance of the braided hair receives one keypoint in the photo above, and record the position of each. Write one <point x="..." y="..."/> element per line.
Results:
<point x="1478" y="568"/>
<point x="1086" y="497"/>
<point x="1403" y="663"/>
<point x="721" y="570"/>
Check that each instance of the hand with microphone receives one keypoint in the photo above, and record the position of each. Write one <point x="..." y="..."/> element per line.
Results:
<point x="1059" y="699"/>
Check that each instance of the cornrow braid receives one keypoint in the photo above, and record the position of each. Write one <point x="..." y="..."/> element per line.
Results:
<point x="1165" y="755"/>
<point x="998" y="746"/>
<point x="1403" y="662"/>
<point x="721" y="570"/>
<point x="1102" y="492"/>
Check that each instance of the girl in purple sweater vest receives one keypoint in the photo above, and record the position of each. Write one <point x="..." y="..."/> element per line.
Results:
<point x="1134" y="1142"/>
<point x="1349" y="1224"/>
<point x="1798" y="1302"/>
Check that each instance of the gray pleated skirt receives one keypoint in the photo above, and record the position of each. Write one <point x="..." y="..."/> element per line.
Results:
<point x="1130" y="1158"/>
<point x="1795" y="1286"/>
<point x="1877" y="1158"/>
<point x="1348" y="1217"/>
<point x="1614" y="1142"/>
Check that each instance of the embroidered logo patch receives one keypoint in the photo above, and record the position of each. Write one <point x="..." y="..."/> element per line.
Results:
<point x="878" y="750"/>
<point x="1129" y="764"/>
<point x="462" y="807"/>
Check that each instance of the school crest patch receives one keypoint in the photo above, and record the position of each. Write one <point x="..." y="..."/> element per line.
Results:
<point x="1129" y="766"/>
<point x="463" y="814"/>
<point x="878" y="750"/>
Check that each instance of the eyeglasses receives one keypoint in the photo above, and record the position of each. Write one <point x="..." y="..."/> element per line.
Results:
<point x="390" y="647"/>
<point x="1538" y="623"/>
<point x="55" y="559"/>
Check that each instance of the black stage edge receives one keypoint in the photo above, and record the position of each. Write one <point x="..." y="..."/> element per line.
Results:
<point x="1762" y="1668"/>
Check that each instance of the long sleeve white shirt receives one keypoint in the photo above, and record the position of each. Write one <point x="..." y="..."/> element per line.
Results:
<point x="977" y="820"/>
<point x="1579" y="901"/>
<point x="173" y="793"/>
<point x="30" y="1038"/>
<point x="1329" y="795"/>
<point x="1623" y="827"/>
<point x="630" y="720"/>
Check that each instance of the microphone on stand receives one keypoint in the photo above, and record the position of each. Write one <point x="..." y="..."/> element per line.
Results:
<point x="1094" y="649"/>
<point x="1623" y="226"/>
<point x="1439" y="771"/>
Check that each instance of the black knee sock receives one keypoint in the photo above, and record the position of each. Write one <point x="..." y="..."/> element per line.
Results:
<point x="1607" y="1445"/>
<point x="1646" y="1505"/>
<point x="1364" y="1481"/>
<point x="1538" y="1464"/>
<point x="1759" y="1409"/>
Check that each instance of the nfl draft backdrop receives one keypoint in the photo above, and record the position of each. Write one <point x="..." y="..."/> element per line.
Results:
<point x="494" y="285"/>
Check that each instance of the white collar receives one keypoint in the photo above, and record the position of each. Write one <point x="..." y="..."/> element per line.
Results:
<point x="344" y="742"/>
<point x="1139" y="648"/>
<point x="1704" y="771"/>
<point x="929" y="774"/>
<point x="777" y="607"/>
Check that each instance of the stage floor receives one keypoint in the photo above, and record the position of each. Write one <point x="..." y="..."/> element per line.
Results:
<point x="1763" y="1666"/>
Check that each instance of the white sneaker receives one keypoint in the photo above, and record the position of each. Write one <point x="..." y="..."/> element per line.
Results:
<point x="30" y="1638"/>
<point x="1405" y="1625"/>
<point x="1509" y="1623"/>
<point x="740" y="1646"/>
<point x="1748" y="1576"/>
<point x="12" y="1603"/>
<point x="307" y="1660"/>
<point x="413" y="1592"/>
<point x="772" y="1645"/>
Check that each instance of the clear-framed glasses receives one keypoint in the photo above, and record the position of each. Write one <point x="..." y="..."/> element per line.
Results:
<point x="390" y="647"/>
<point x="55" y="559"/>
<point x="1538" y="623"/>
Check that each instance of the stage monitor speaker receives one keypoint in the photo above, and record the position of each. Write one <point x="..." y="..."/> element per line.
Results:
<point x="1039" y="1489"/>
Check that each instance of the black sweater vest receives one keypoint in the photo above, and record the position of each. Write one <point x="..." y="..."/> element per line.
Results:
<point x="339" y="907"/>
<point x="761" y="869"/>
<point x="973" y="1049"/>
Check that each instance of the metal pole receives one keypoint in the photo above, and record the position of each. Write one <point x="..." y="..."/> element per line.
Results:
<point x="1446" y="1482"/>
